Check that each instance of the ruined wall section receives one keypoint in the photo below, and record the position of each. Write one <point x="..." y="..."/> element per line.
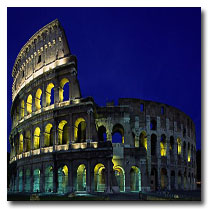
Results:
<point x="45" y="50"/>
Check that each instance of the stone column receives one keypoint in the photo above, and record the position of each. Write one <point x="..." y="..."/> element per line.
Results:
<point x="55" y="132"/>
<point x="127" y="179"/>
<point x="33" y="102"/>
<point x="56" y="93"/>
<point x="42" y="179"/>
<point x="31" y="179"/>
<point x="89" y="132"/>
<point x="88" y="177"/>
<point x="71" y="134"/>
<point x="31" y="141"/>
<point x="43" y="105"/>
<point x="55" y="177"/>
<point x="108" y="179"/>
<point x="70" y="178"/>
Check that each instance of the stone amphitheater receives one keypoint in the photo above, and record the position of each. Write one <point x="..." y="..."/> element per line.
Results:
<point x="62" y="143"/>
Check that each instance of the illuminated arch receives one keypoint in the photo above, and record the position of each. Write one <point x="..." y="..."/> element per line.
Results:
<point x="102" y="134"/>
<point x="80" y="130"/>
<point x="81" y="178"/>
<point x="118" y="134"/>
<point x="135" y="179"/>
<point x="20" y="144"/>
<point x="143" y="139"/>
<point x="29" y="104"/>
<point x="36" y="139"/>
<point x="120" y="176"/>
<point x="62" y="179"/>
<point x="179" y="146"/>
<point x="49" y="89"/>
<point x="27" y="141"/>
<point x="48" y="179"/>
<point x="189" y="153"/>
<point x="48" y="136"/>
<point x="63" y="133"/>
<point x="38" y="99"/>
<point x="99" y="178"/>
<point x="163" y="145"/>
<point x="63" y="83"/>
<point x="36" y="180"/>
<point x="22" y="109"/>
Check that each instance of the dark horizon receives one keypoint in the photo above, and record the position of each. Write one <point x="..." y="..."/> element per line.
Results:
<point x="147" y="53"/>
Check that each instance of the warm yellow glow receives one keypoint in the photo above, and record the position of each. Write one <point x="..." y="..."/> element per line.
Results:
<point x="189" y="154"/>
<point x="79" y="120"/>
<point x="163" y="148"/>
<point x="98" y="168"/>
<point x="22" y="108"/>
<point x="179" y="146"/>
<point x="29" y="104"/>
<point x="36" y="139"/>
<point x="143" y="139"/>
<point x="48" y="94"/>
<point x="61" y="91"/>
<point x="21" y="144"/>
<point x="60" y="131"/>
<point x="47" y="134"/>
<point x="38" y="99"/>
<point x="65" y="170"/>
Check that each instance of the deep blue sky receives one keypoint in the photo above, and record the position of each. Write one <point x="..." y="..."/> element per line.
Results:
<point x="147" y="53"/>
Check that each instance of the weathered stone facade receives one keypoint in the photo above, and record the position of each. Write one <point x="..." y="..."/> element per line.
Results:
<point x="65" y="145"/>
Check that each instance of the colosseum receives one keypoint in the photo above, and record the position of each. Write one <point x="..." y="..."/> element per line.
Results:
<point x="63" y="143"/>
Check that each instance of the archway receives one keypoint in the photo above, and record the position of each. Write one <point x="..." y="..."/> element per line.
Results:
<point x="36" y="180"/>
<point x="27" y="180"/>
<point x="153" y="144"/>
<point x="163" y="145"/>
<point x="81" y="178"/>
<point x="64" y="90"/>
<point x="29" y="104"/>
<point x="48" y="135"/>
<point x="48" y="175"/>
<point x="20" y="181"/>
<point x="50" y="94"/>
<point x="22" y="109"/>
<point x="120" y="176"/>
<point x="189" y="153"/>
<point x="37" y="138"/>
<point x="153" y="125"/>
<point x="102" y="134"/>
<point x="179" y="146"/>
<point x="171" y="146"/>
<point x="118" y="134"/>
<point x="27" y="141"/>
<point x="135" y="179"/>
<point x="38" y="99"/>
<point x="164" y="180"/>
<point x="154" y="179"/>
<point x="99" y="178"/>
<point x="143" y="139"/>
<point x="21" y="144"/>
<point x="80" y="130"/>
<point x="63" y="132"/>
<point x="63" y="179"/>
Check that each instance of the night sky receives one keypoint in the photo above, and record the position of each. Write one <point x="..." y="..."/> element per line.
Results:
<point x="147" y="53"/>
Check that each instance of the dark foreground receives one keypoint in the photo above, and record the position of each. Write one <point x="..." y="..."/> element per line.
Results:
<point x="151" y="196"/>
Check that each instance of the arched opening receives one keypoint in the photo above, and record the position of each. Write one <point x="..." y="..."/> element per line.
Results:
<point x="36" y="180"/>
<point x="81" y="178"/>
<point x="63" y="179"/>
<point x="38" y="99"/>
<point x="21" y="144"/>
<point x="120" y="176"/>
<point x="153" y="144"/>
<point x="50" y="94"/>
<point x="153" y="125"/>
<point x="153" y="178"/>
<point x="163" y="178"/>
<point x="135" y="179"/>
<point x="118" y="134"/>
<point x="27" y="141"/>
<point x="80" y="130"/>
<point x="22" y="109"/>
<point x="189" y="152"/>
<point x="36" y="140"/>
<point x="171" y="145"/>
<point x="48" y="135"/>
<point x="20" y="181"/>
<point x="48" y="177"/>
<point x="143" y="140"/>
<point x="172" y="179"/>
<point x="179" y="146"/>
<point x="179" y="180"/>
<point x="102" y="135"/>
<point x="99" y="178"/>
<point x="64" y="90"/>
<point x="163" y="145"/>
<point x="29" y="104"/>
<point x="27" y="180"/>
<point x="63" y="132"/>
